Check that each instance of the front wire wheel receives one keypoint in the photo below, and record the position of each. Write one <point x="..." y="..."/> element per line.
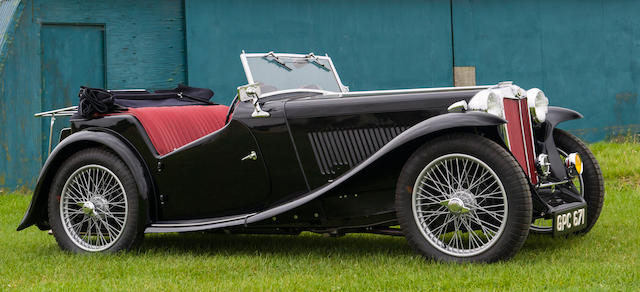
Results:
<point x="460" y="205"/>
<point x="463" y="198"/>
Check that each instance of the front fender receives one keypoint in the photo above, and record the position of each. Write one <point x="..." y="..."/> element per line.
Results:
<point x="37" y="212"/>
<point x="443" y="122"/>
<point x="555" y="116"/>
<point x="424" y="128"/>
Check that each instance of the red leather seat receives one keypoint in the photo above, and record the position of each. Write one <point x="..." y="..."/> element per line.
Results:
<point x="172" y="127"/>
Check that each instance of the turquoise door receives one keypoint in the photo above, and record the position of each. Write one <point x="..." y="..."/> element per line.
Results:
<point x="72" y="55"/>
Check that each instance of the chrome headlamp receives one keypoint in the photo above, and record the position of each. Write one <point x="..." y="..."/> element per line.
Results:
<point x="489" y="101"/>
<point x="538" y="104"/>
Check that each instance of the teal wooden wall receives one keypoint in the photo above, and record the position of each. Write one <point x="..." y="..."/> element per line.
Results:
<point x="144" y="47"/>
<point x="62" y="74"/>
<point x="583" y="54"/>
<point x="375" y="44"/>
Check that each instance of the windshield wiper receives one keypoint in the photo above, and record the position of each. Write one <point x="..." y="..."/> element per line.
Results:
<point x="277" y="60"/>
<point x="313" y="59"/>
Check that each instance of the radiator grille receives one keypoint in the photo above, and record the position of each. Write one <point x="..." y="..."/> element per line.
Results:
<point x="519" y="135"/>
<point x="334" y="149"/>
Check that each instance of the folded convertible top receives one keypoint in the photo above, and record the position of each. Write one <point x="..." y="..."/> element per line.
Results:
<point x="100" y="101"/>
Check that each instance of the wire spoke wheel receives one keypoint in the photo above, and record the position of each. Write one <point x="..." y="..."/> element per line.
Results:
<point x="93" y="207"/>
<point x="459" y="205"/>
<point x="545" y="225"/>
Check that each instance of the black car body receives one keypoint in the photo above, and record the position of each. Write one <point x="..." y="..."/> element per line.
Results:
<point x="308" y="158"/>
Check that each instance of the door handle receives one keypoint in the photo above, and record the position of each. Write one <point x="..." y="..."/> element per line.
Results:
<point x="252" y="156"/>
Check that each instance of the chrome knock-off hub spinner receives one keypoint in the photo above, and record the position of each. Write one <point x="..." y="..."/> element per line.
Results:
<point x="465" y="196"/>
<point x="460" y="202"/>
<point x="100" y="203"/>
<point x="456" y="206"/>
<point x="89" y="209"/>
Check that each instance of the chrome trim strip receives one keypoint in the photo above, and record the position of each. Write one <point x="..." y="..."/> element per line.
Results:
<point x="343" y="88"/>
<point x="533" y="147"/>
<point x="152" y="229"/>
<point x="406" y="91"/>
<point x="330" y="94"/>
<point x="245" y="66"/>
<point x="214" y="221"/>
<point x="524" y="141"/>
<point x="272" y="93"/>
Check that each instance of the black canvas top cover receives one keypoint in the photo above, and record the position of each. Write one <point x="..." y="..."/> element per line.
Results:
<point x="181" y="95"/>
<point x="100" y="101"/>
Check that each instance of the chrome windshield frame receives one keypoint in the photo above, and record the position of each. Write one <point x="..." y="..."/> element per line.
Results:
<point x="250" y="80"/>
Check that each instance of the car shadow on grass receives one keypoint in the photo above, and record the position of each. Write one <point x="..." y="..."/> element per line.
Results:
<point x="539" y="244"/>
<point x="305" y="244"/>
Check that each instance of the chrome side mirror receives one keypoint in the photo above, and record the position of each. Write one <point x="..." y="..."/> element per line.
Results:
<point x="251" y="92"/>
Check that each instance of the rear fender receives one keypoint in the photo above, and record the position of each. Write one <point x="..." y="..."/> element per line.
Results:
<point x="37" y="212"/>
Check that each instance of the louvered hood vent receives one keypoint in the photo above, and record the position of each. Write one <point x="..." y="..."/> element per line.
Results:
<point x="337" y="149"/>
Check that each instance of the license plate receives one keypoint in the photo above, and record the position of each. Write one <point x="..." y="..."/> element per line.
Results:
<point x="569" y="221"/>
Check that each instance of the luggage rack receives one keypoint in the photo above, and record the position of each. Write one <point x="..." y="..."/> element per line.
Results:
<point x="61" y="112"/>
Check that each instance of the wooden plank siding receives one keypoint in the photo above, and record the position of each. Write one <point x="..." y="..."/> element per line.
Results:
<point x="374" y="44"/>
<point x="585" y="55"/>
<point x="144" y="48"/>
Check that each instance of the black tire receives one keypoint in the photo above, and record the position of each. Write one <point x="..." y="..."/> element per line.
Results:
<point x="515" y="193"/>
<point x="593" y="182"/>
<point x="114" y="192"/>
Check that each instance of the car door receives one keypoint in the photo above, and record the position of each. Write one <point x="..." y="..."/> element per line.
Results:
<point x="221" y="174"/>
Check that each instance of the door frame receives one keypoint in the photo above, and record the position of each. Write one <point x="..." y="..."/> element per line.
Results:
<point x="93" y="24"/>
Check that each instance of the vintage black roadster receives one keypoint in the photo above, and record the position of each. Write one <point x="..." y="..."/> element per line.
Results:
<point x="463" y="173"/>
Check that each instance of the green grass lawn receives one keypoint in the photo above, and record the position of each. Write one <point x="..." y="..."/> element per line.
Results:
<point x="606" y="258"/>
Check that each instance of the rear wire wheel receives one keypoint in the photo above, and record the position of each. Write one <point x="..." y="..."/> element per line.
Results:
<point x="94" y="204"/>
<point x="463" y="198"/>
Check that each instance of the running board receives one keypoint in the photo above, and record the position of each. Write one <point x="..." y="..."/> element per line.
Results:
<point x="196" y="225"/>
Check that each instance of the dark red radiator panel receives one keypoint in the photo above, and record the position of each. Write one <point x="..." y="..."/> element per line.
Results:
<point x="519" y="135"/>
